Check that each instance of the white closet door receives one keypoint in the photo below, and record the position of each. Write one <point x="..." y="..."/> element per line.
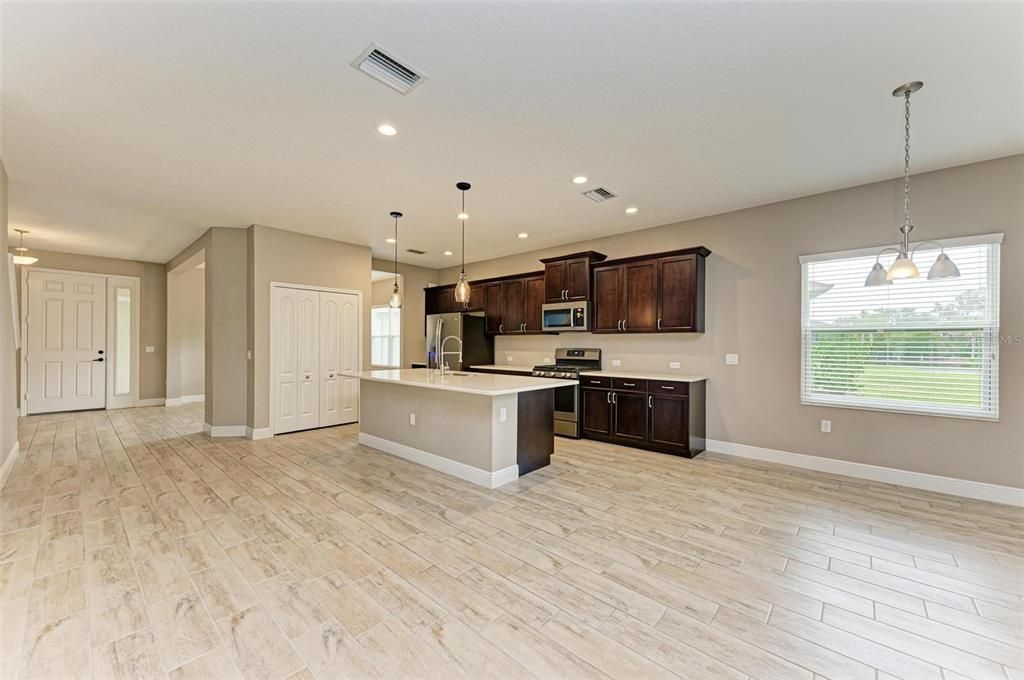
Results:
<point x="66" y="341"/>
<point x="297" y="396"/>
<point x="339" y="361"/>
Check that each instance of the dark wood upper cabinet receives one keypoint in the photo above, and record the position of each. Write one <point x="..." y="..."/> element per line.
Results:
<point x="533" y="292"/>
<point x="567" y="277"/>
<point x="494" y="307"/>
<point x="640" y="302"/>
<point x="681" y="293"/>
<point x="514" y="295"/>
<point x="607" y="307"/>
<point x="651" y="293"/>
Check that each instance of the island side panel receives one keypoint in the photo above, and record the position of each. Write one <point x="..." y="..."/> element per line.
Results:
<point x="535" y="420"/>
<point x="453" y="425"/>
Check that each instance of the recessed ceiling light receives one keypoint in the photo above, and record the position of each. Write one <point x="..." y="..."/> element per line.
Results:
<point x="448" y="253"/>
<point x="387" y="129"/>
<point x="631" y="211"/>
<point x="390" y="240"/>
<point x="523" y="234"/>
<point x="579" y="179"/>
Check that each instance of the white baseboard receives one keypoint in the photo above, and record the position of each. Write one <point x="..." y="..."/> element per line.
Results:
<point x="258" y="432"/>
<point x="155" y="401"/>
<point x="186" y="399"/>
<point x="8" y="465"/>
<point x="491" y="480"/>
<point x="224" y="430"/>
<point x="994" y="493"/>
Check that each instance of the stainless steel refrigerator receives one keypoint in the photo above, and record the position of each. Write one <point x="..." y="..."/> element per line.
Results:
<point x="477" y="347"/>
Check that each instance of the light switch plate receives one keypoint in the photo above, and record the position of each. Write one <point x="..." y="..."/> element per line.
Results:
<point x="826" y="426"/>
<point x="248" y="354"/>
<point x="503" y="414"/>
<point x="732" y="359"/>
<point x="150" y="349"/>
<point x="673" y="364"/>
<point x="412" y="418"/>
<point x="616" y="362"/>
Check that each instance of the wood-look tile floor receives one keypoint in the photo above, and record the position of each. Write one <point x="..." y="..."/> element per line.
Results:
<point x="133" y="546"/>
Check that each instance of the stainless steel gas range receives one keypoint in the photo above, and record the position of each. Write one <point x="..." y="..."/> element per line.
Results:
<point x="569" y="363"/>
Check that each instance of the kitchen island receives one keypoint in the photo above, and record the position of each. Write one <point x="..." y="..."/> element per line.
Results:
<point x="487" y="429"/>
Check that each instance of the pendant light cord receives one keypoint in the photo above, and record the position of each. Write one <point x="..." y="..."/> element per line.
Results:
<point x="906" y="161"/>
<point x="396" y="250"/>
<point x="463" y="232"/>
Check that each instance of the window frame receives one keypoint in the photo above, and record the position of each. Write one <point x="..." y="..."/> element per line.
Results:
<point x="989" y="371"/>
<point x="390" y="336"/>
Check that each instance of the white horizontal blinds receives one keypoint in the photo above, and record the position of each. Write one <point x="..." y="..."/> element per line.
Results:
<point x="917" y="345"/>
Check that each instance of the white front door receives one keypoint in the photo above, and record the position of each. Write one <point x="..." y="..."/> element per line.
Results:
<point x="339" y="343"/>
<point x="295" y="315"/>
<point x="65" y="348"/>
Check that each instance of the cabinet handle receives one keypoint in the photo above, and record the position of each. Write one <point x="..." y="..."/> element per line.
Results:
<point x="619" y="325"/>
<point x="659" y="324"/>
<point x="629" y="384"/>
<point x="625" y="326"/>
<point x="501" y="328"/>
<point x="609" y="397"/>
<point x="667" y="387"/>
<point x="524" y="328"/>
<point x="650" y="401"/>
<point x="595" y="382"/>
<point x="615" y="398"/>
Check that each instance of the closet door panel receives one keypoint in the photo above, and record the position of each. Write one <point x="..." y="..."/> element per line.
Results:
<point x="350" y="359"/>
<point x="308" y="354"/>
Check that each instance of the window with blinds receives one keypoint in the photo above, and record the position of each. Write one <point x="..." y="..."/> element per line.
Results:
<point x="913" y="346"/>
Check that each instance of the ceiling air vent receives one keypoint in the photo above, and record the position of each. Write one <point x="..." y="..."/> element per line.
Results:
<point x="599" y="195"/>
<point x="414" y="251"/>
<point x="384" y="67"/>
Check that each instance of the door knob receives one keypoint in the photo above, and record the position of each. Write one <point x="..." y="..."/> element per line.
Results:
<point x="330" y="375"/>
<point x="99" y="351"/>
<point x="100" y="359"/>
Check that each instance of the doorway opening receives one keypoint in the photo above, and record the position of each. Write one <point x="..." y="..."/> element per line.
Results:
<point x="186" y="331"/>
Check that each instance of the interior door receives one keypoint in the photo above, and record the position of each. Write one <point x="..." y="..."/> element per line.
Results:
<point x="66" y="342"/>
<point x="296" y="375"/>
<point x="350" y="361"/>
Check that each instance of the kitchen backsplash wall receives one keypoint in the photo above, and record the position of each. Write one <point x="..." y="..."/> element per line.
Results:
<point x="634" y="352"/>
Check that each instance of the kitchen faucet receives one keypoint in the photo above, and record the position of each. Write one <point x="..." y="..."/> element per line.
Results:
<point x="441" y="355"/>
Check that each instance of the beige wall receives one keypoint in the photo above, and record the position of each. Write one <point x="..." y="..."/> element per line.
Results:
<point x="8" y="379"/>
<point x="753" y="308"/>
<point x="380" y="291"/>
<point x="287" y="257"/>
<point x="152" y="308"/>
<point x="186" y="333"/>
<point x="414" y="280"/>
<point x="226" y="322"/>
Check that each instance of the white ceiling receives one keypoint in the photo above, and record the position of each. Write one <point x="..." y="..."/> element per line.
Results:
<point x="128" y="128"/>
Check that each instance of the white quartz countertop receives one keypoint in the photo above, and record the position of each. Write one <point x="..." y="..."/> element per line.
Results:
<point x="642" y="375"/>
<point x="505" y="367"/>
<point x="485" y="384"/>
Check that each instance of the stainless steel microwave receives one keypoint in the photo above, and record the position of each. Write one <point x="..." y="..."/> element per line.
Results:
<point x="566" y="316"/>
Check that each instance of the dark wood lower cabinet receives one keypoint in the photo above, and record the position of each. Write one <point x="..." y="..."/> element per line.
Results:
<point x="596" y="409"/>
<point x="667" y="417"/>
<point x="630" y="415"/>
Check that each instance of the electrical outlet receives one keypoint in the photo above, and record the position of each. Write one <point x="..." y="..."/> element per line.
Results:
<point x="150" y="349"/>
<point x="412" y="418"/>
<point x="508" y="358"/>
<point x="673" y="364"/>
<point x="732" y="359"/>
<point x="502" y="414"/>
<point x="616" y="362"/>
<point x="248" y="354"/>
<point x="826" y="426"/>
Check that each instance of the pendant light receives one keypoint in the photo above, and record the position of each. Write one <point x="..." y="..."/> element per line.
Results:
<point x="21" y="250"/>
<point x="904" y="267"/>
<point x="396" y="295"/>
<point x="462" y="291"/>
